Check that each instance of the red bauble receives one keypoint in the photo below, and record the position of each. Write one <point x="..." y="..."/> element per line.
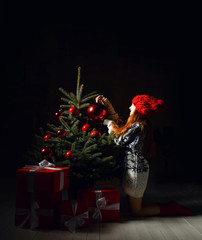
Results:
<point x="74" y="111"/>
<point x="61" y="133"/>
<point x="58" y="114"/>
<point x="95" y="134"/>
<point x="96" y="111"/>
<point x="86" y="128"/>
<point x="47" y="136"/>
<point x="69" y="155"/>
<point x="46" y="152"/>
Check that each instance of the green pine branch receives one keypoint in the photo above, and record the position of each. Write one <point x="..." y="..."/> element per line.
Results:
<point x="76" y="99"/>
<point x="78" y="82"/>
<point x="65" y="125"/>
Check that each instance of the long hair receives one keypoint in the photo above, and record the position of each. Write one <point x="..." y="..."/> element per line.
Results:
<point x="136" y="117"/>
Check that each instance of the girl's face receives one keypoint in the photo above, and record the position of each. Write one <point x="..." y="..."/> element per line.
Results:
<point x="132" y="108"/>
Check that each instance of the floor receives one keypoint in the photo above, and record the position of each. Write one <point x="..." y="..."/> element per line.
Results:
<point x="170" y="228"/>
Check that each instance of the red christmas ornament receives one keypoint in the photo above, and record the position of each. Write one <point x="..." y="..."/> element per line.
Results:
<point x="74" y="111"/>
<point x="69" y="155"/>
<point x="58" y="114"/>
<point x="47" y="136"/>
<point x="95" y="134"/>
<point x="96" y="111"/>
<point x="61" y="133"/>
<point x="86" y="128"/>
<point x="46" y="152"/>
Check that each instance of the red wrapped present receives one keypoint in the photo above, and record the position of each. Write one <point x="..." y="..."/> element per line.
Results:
<point x="104" y="204"/>
<point x="36" y="210"/>
<point x="73" y="214"/>
<point x="42" y="179"/>
<point x="38" y="194"/>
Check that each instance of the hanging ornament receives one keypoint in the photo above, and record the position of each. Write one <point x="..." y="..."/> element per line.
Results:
<point x="86" y="128"/>
<point x="96" y="111"/>
<point x="95" y="134"/>
<point x="46" y="152"/>
<point x="74" y="111"/>
<point x="47" y="136"/>
<point x="61" y="133"/>
<point x="58" y="114"/>
<point x="69" y="155"/>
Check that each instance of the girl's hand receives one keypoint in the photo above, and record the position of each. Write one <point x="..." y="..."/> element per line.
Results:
<point x="111" y="114"/>
<point x="100" y="99"/>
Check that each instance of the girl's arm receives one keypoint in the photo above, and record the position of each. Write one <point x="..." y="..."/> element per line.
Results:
<point x="131" y="135"/>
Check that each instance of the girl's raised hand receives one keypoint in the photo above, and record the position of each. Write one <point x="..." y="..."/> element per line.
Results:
<point x="111" y="114"/>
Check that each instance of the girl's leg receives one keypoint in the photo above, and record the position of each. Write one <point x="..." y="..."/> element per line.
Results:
<point x="140" y="210"/>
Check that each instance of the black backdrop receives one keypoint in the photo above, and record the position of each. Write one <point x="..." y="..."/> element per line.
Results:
<point x="117" y="60"/>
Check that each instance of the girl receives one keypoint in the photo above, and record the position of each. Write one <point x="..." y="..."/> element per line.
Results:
<point x="135" y="137"/>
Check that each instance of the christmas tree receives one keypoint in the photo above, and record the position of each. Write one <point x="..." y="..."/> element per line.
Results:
<point x="78" y="140"/>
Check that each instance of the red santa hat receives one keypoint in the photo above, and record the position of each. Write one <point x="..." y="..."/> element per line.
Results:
<point x="147" y="105"/>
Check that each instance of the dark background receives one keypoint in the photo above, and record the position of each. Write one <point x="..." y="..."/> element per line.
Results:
<point x="119" y="58"/>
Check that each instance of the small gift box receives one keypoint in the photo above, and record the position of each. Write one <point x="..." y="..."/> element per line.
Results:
<point x="43" y="178"/>
<point x="103" y="205"/>
<point x="73" y="214"/>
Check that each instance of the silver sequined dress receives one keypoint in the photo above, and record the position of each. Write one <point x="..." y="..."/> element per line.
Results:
<point x="136" y="170"/>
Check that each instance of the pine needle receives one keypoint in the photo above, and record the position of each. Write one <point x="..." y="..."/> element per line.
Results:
<point x="42" y="131"/>
<point x="85" y="99"/>
<point x="84" y="105"/>
<point x="65" y="100"/>
<point x="52" y="126"/>
<point x="66" y="94"/>
<point x="78" y="82"/>
<point x="73" y="146"/>
<point x="85" y="145"/>
<point x="106" y="159"/>
<point x="73" y="96"/>
<point x="90" y="148"/>
<point x="95" y="155"/>
<point x="74" y="127"/>
<point x="65" y="163"/>
<point x="103" y="135"/>
<point x="65" y="106"/>
<point x="64" y="123"/>
<point x="80" y="92"/>
<point x="89" y="94"/>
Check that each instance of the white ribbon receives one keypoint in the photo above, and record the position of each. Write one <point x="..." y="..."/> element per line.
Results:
<point x="101" y="204"/>
<point x="43" y="165"/>
<point x="30" y="214"/>
<point x="75" y="221"/>
<point x="33" y="213"/>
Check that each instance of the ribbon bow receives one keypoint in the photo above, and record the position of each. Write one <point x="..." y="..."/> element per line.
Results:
<point x="30" y="214"/>
<point x="75" y="221"/>
<point x="44" y="164"/>
<point x="33" y="215"/>
<point x="101" y="203"/>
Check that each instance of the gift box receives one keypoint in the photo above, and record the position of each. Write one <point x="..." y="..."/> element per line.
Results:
<point x="103" y="205"/>
<point x="46" y="180"/>
<point x="74" y="214"/>
<point x="38" y="195"/>
<point x="36" y="210"/>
